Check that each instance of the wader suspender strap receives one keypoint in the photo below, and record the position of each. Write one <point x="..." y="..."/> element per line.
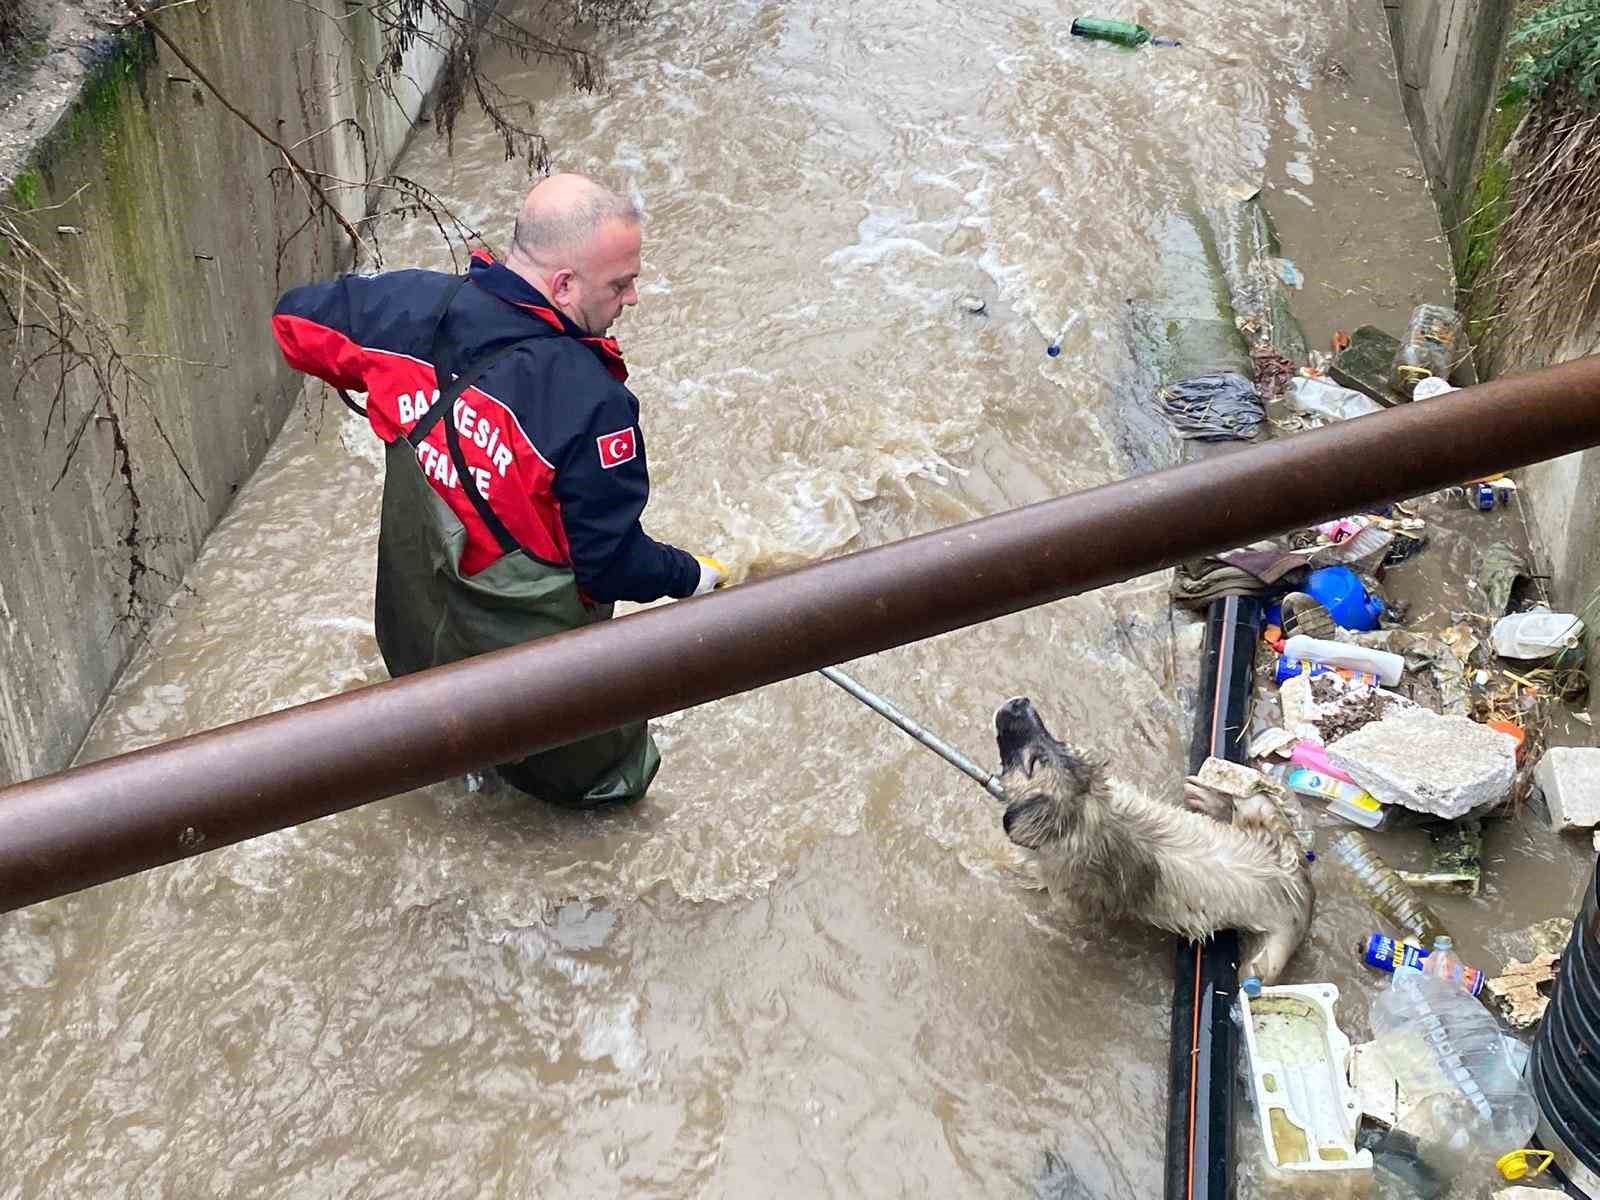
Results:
<point x="445" y="403"/>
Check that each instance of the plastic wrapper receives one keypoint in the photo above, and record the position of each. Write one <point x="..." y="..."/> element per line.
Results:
<point x="1210" y="408"/>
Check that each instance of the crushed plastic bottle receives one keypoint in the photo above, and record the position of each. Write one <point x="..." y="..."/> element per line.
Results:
<point x="1389" y="668"/>
<point x="1467" y="1103"/>
<point x="1388" y="894"/>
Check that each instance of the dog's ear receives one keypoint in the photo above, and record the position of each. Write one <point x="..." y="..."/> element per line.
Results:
<point x="1027" y="822"/>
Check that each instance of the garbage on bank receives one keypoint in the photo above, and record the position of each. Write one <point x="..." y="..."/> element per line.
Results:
<point x="1383" y="722"/>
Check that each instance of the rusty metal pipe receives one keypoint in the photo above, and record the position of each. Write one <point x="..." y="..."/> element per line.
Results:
<point x="124" y="814"/>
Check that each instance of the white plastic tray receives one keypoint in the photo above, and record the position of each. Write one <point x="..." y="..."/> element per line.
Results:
<point x="1307" y="1108"/>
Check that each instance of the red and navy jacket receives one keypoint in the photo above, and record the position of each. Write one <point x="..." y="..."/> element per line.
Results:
<point x="550" y="433"/>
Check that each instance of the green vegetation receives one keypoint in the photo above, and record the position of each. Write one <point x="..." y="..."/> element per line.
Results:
<point x="1491" y="202"/>
<point x="95" y="113"/>
<point x="1557" y="46"/>
<point x="26" y="190"/>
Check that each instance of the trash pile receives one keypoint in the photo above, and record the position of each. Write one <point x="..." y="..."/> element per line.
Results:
<point x="1385" y="723"/>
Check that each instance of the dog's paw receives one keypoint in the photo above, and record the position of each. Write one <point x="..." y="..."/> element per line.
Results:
<point x="1207" y="801"/>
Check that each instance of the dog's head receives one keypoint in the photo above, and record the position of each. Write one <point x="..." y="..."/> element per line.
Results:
<point x="1046" y="784"/>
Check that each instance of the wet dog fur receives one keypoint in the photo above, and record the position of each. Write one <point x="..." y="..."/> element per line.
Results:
<point x="1118" y="853"/>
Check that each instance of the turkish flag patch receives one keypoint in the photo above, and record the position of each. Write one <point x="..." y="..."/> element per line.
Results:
<point x="618" y="448"/>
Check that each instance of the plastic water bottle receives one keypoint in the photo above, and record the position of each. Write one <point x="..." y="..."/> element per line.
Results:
<point x="1466" y="1099"/>
<point x="1431" y="346"/>
<point x="1388" y="894"/>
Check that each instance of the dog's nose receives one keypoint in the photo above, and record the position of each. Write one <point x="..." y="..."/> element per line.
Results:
<point x="1015" y="710"/>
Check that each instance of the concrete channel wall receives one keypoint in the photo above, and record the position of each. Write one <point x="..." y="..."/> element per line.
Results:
<point x="1450" y="55"/>
<point x="160" y="208"/>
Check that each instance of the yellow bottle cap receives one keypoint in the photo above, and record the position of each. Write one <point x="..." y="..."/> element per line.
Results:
<point x="1514" y="1165"/>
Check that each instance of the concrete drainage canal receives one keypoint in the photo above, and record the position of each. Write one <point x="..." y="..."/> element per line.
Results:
<point x="810" y="962"/>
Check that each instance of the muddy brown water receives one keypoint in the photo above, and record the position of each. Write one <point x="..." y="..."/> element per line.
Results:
<point x="806" y="964"/>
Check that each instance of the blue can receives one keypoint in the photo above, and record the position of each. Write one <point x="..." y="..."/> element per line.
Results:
<point x="1482" y="496"/>
<point x="1287" y="668"/>
<point x="1384" y="953"/>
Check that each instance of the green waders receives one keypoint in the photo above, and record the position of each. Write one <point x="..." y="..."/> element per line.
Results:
<point x="427" y="613"/>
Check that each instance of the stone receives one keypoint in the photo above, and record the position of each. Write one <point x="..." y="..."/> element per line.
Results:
<point x="1522" y="1191"/>
<point x="1364" y="365"/>
<point x="1235" y="779"/>
<point x="1570" y="778"/>
<point x="1521" y="992"/>
<point x="1447" y="766"/>
<point x="1272" y="741"/>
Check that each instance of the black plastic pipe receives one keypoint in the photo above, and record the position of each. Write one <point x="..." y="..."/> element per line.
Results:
<point x="1204" y="1042"/>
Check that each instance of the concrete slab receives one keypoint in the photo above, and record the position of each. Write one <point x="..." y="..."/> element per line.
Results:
<point x="1570" y="777"/>
<point x="1444" y="765"/>
<point x="1364" y="365"/>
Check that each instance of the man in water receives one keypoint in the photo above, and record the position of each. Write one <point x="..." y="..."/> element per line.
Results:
<point x="511" y="502"/>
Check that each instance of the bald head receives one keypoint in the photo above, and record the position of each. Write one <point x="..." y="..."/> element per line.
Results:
<point x="562" y="214"/>
<point x="579" y="243"/>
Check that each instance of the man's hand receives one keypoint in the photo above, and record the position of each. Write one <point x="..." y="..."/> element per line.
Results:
<point x="712" y="574"/>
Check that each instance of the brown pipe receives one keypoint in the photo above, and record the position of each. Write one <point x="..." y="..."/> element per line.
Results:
<point x="134" y="811"/>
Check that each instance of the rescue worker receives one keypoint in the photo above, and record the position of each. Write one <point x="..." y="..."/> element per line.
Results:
<point x="515" y="465"/>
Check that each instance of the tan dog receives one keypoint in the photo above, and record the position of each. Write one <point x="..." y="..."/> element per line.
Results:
<point x="1118" y="853"/>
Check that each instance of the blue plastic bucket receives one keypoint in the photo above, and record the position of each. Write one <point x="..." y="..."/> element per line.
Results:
<point x="1339" y="590"/>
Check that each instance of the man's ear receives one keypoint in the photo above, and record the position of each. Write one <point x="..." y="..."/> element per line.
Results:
<point x="561" y="285"/>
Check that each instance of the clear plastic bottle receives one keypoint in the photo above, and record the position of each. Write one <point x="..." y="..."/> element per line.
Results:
<point x="1388" y="894"/>
<point x="1463" y="1095"/>
<point x="1431" y="346"/>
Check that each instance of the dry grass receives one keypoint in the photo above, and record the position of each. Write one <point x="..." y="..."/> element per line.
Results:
<point x="1546" y="268"/>
<point x="13" y="24"/>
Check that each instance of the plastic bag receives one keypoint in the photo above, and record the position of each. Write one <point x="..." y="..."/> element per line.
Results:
<point x="1215" y="407"/>
<point x="1324" y="399"/>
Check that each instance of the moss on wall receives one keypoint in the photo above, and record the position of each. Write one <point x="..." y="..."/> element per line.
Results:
<point x="1481" y="229"/>
<point x="25" y="190"/>
<point x="96" y="112"/>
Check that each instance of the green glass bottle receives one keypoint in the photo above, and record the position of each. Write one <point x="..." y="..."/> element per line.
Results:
<point x="1124" y="33"/>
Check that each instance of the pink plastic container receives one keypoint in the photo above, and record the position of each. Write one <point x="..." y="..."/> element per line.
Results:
<point x="1309" y="754"/>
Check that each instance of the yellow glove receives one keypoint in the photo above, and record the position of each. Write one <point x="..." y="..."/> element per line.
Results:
<point x="712" y="574"/>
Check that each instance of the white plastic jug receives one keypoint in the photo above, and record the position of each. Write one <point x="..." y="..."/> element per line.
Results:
<point x="1536" y="634"/>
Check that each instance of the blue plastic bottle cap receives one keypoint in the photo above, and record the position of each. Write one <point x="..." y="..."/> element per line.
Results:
<point x="1053" y="349"/>
<point x="1250" y="986"/>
